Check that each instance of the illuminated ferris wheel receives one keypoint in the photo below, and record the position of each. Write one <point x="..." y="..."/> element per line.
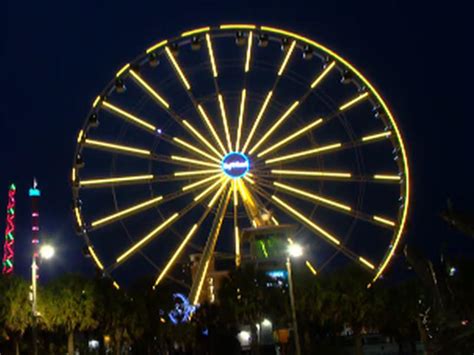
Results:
<point x="235" y="126"/>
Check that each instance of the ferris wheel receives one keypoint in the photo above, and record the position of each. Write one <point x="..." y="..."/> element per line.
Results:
<point x="235" y="126"/>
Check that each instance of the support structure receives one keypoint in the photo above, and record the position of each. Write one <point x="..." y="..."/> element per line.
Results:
<point x="9" y="245"/>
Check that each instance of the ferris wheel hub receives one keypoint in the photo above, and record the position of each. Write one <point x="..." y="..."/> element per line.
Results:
<point x="235" y="165"/>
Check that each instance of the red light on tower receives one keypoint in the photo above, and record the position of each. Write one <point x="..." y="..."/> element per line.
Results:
<point x="8" y="247"/>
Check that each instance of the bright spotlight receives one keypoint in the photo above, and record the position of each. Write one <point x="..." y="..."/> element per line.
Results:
<point x="47" y="251"/>
<point x="295" y="250"/>
<point x="266" y="323"/>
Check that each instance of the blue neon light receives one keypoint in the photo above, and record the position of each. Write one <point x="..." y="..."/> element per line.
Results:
<point x="34" y="192"/>
<point x="235" y="165"/>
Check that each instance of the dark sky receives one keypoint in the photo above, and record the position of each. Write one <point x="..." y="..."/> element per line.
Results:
<point x="56" y="56"/>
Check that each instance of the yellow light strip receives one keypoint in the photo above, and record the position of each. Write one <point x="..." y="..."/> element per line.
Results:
<point x="211" y="56"/>
<point x="96" y="101"/>
<point x="124" y="148"/>
<point x="80" y="135"/>
<point x="257" y="120"/>
<point x="196" y="31"/>
<point x="313" y="196"/>
<point x="307" y="221"/>
<point x="148" y="88"/>
<point x="241" y="119"/>
<point x="384" y="221"/>
<point x="218" y="193"/>
<point x="178" y="68"/>
<point x="249" y="52"/>
<point x="291" y="137"/>
<point x="209" y="189"/>
<point x="95" y="258"/>
<point x="311" y="173"/>
<point x="116" y="285"/>
<point x="311" y="268"/>
<point x="234" y="191"/>
<point x="224" y="121"/>
<point x="376" y="136"/>
<point x="78" y="216"/>
<point x="237" y="242"/>
<point x="201" y="138"/>
<point x="116" y="180"/>
<point x="195" y="149"/>
<point x="126" y="211"/>
<point x="237" y="26"/>
<point x="323" y="74"/>
<point x="287" y="58"/>
<point x="73" y="174"/>
<point x="145" y="239"/>
<point x="275" y="126"/>
<point x="201" y="283"/>
<point x="386" y="177"/>
<point x="353" y="101"/>
<point x="200" y="182"/>
<point x="211" y="127"/>
<point x="249" y="180"/>
<point x="120" y="72"/>
<point x="193" y="161"/>
<point x="129" y="116"/>
<point x="366" y="263"/>
<point x="156" y="46"/>
<point x="275" y="221"/>
<point x="196" y="172"/>
<point x="381" y="101"/>
<point x="304" y="153"/>
<point x="176" y="254"/>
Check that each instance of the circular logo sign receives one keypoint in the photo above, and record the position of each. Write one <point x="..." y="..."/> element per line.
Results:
<point x="235" y="165"/>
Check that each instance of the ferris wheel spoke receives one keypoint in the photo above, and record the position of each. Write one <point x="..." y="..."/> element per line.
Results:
<point x="149" y="89"/>
<point x="225" y="122"/>
<point x="235" y="199"/>
<point x="155" y="201"/>
<point x="193" y="149"/>
<point x="303" y="154"/>
<point x="117" y="180"/>
<point x="203" y="266"/>
<point x="256" y="122"/>
<point x="241" y="118"/>
<point x="186" y="161"/>
<point x="116" y="148"/>
<point x="128" y="117"/>
<point x="177" y="68"/>
<point x="210" y="127"/>
<point x="295" y="135"/>
<point x="353" y="101"/>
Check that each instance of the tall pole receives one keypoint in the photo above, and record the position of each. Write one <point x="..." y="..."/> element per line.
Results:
<point x="292" y="304"/>
<point x="34" y="194"/>
<point x="8" y="247"/>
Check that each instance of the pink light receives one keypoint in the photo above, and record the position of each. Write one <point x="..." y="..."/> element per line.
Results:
<point x="35" y="214"/>
<point x="35" y="228"/>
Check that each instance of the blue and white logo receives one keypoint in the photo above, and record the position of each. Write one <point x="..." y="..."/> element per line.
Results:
<point x="235" y="165"/>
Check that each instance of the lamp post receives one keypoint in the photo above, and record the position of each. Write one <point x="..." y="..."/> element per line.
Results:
<point x="45" y="252"/>
<point x="294" y="251"/>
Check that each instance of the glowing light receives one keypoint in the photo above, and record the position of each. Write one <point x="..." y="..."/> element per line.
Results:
<point x="224" y="121"/>
<point x="235" y="196"/>
<point x="208" y="190"/>
<point x="47" y="251"/>
<point x="287" y="58"/>
<point x="237" y="26"/>
<point x="308" y="222"/>
<point x="96" y="101"/>
<point x="323" y="74"/>
<point x="218" y="193"/>
<point x="147" y="238"/>
<point x="176" y="254"/>
<point x="196" y="31"/>
<point x="124" y="68"/>
<point x="235" y="165"/>
<point x="311" y="268"/>
<point x="194" y="149"/>
<point x="78" y="216"/>
<point x="73" y="174"/>
<point x="127" y="211"/>
<point x="211" y="127"/>
<point x="376" y="136"/>
<point x="196" y="172"/>
<point x="116" y="285"/>
<point x="249" y="52"/>
<point x="150" y="90"/>
<point x="201" y="137"/>
<point x="384" y="221"/>
<point x="291" y="137"/>
<point x="241" y="118"/>
<point x="211" y="56"/>
<point x="178" y="68"/>
<point x="128" y="116"/>
<point x="118" y="147"/>
<point x="304" y="153"/>
<point x="295" y="250"/>
<point x="386" y="177"/>
<point x="257" y="120"/>
<point x="156" y="46"/>
<point x="275" y="221"/>
<point x="9" y="244"/>
<point x="366" y="263"/>
<point x="116" y="180"/>
<point x="200" y="182"/>
<point x="193" y="161"/>
<point x="353" y="101"/>
<point x="275" y="126"/>
<point x="80" y="135"/>
<point x="312" y="196"/>
<point x="95" y="258"/>
<point x="237" y="244"/>
<point x="249" y="180"/>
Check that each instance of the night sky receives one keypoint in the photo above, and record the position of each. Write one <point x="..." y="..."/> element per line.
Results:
<point x="56" y="57"/>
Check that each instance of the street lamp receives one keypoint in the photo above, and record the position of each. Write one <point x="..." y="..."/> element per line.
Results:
<point x="45" y="252"/>
<point x="294" y="251"/>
